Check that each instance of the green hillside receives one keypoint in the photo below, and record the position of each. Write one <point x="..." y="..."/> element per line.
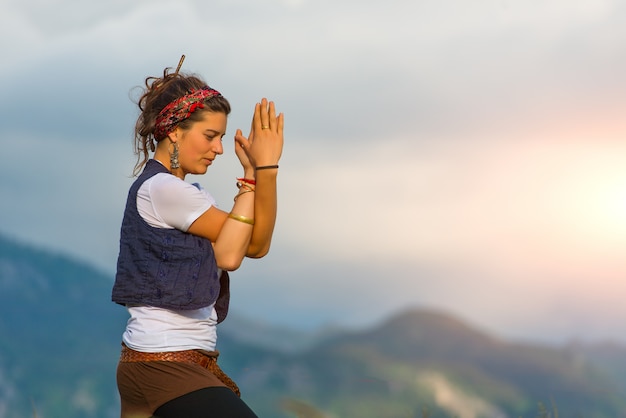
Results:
<point x="60" y="335"/>
<point x="429" y="360"/>
<point x="59" y="342"/>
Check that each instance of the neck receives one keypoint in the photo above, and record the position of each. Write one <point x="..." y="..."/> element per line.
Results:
<point x="165" y="160"/>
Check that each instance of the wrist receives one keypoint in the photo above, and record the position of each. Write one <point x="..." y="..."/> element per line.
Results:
<point x="266" y="167"/>
<point x="266" y="175"/>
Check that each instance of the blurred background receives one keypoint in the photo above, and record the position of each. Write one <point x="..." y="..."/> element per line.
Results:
<point x="465" y="156"/>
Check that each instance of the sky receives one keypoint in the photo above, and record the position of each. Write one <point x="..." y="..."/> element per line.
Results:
<point x="462" y="156"/>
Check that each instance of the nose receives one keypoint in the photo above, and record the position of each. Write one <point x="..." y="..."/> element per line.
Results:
<point x="219" y="148"/>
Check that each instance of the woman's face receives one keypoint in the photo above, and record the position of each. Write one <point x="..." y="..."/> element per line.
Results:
<point x="199" y="145"/>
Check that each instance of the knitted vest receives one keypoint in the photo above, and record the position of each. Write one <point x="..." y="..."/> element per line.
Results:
<point x="165" y="268"/>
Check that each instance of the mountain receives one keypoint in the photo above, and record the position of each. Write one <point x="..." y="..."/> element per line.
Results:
<point x="427" y="359"/>
<point x="274" y="337"/>
<point x="60" y="339"/>
<point x="59" y="335"/>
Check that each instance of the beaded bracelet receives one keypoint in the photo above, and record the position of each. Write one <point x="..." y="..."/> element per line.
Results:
<point x="245" y="180"/>
<point x="245" y="186"/>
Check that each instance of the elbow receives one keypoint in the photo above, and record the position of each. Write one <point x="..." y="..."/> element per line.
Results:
<point x="229" y="264"/>
<point x="258" y="252"/>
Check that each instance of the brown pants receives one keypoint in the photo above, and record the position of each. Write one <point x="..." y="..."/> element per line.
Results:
<point x="144" y="386"/>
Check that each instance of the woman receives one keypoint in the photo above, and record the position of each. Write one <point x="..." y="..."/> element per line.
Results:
<point x="176" y="247"/>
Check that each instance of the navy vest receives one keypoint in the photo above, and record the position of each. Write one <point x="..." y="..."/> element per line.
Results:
<point x="165" y="268"/>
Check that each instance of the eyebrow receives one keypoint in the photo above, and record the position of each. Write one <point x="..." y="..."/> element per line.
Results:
<point x="214" y="131"/>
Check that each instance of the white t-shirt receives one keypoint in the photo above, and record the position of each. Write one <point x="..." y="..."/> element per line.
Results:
<point x="165" y="201"/>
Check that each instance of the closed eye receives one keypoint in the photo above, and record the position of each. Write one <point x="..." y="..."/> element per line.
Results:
<point x="211" y="134"/>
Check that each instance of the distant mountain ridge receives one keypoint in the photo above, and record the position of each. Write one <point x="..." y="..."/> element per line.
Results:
<point x="60" y="336"/>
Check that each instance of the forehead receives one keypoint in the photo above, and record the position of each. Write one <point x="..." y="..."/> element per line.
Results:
<point x="215" y="121"/>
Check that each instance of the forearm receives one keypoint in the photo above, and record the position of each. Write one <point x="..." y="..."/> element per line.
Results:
<point x="232" y="243"/>
<point x="263" y="149"/>
<point x="265" y="208"/>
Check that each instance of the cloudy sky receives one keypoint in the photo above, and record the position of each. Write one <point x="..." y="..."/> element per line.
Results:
<point x="466" y="156"/>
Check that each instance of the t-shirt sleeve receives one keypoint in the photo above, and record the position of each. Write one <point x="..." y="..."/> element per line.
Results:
<point x="178" y="203"/>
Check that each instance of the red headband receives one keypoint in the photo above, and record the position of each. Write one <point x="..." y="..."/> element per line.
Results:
<point x="180" y="109"/>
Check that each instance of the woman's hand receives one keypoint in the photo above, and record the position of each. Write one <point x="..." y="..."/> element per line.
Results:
<point x="240" y="151"/>
<point x="264" y="144"/>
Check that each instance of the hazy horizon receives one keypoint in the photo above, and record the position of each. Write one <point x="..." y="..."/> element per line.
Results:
<point x="467" y="157"/>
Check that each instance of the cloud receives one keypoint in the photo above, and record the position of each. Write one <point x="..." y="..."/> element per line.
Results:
<point x="431" y="67"/>
<point x="437" y="152"/>
<point x="438" y="200"/>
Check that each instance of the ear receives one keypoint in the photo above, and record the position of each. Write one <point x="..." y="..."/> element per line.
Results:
<point x="174" y="135"/>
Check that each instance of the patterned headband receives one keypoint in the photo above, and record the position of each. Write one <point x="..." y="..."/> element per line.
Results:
<point x="180" y="109"/>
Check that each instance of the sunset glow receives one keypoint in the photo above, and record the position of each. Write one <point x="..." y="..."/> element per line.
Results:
<point x="470" y="157"/>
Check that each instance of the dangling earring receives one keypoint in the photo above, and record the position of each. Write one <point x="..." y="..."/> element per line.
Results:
<point x="174" y="157"/>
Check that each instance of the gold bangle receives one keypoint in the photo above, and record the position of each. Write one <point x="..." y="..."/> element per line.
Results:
<point x="240" y="218"/>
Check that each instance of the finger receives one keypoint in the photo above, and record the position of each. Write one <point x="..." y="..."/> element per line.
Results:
<point x="239" y="134"/>
<point x="265" y="119"/>
<point x="256" y="118"/>
<point x="281" y="124"/>
<point x="272" y="117"/>
<point x="251" y="136"/>
<point x="241" y="140"/>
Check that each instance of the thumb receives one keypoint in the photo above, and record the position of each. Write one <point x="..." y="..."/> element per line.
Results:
<point x="241" y="140"/>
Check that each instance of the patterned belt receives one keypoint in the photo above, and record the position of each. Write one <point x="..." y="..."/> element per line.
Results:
<point x="187" y="356"/>
<point x="207" y="361"/>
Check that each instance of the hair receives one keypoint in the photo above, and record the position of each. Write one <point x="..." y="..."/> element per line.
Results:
<point x="158" y="93"/>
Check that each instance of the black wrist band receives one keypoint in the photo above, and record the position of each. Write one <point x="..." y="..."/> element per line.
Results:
<point x="266" y="167"/>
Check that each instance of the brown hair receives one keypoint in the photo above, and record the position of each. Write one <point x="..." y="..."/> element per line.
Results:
<point x="158" y="93"/>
